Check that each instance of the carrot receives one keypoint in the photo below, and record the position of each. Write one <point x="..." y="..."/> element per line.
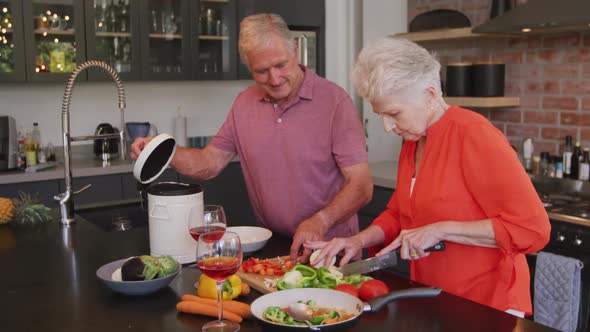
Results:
<point x="193" y="307"/>
<point x="236" y="307"/>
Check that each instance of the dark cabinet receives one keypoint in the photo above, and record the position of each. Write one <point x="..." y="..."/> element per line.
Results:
<point x="12" y="46"/>
<point x="303" y="16"/>
<point x="54" y="39"/>
<point x="113" y="36"/>
<point x="166" y="39"/>
<point x="43" y="190"/>
<point x="215" y="54"/>
<point x="228" y="189"/>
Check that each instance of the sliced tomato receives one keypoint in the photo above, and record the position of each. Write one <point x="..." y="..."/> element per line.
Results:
<point x="347" y="288"/>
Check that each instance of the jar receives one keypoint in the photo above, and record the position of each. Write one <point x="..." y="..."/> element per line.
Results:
<point x="458" y="79"/>
<point x="488" y="79"/>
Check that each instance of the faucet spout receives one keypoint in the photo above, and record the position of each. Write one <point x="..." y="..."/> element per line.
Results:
<point x="65" y="199"/>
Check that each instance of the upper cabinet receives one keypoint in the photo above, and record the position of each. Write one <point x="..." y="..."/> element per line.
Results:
<point x="54" y="38"/>
<point x="112" y="36"/>
<point x="215" y="53"/>
<point x="12" y="64"/>
<point x="166" y="39"/>
<point x="306" y="18"/>
<point x="44" y="40"/>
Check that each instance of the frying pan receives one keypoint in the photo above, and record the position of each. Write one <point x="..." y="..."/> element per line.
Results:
<point x="331" y="299"/>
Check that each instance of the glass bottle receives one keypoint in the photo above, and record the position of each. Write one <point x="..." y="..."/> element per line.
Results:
<point x="30" y="150"/>
<point x="576" y="156"/>
<point x="544" y="164"/>
<point x="536" y="165"/>
<point x="584" y="173"/>
<point x="558" y="167"/>
<point x="567" y="157"/>
<point x="36" y="135"/>
<point x="551" y="167"/>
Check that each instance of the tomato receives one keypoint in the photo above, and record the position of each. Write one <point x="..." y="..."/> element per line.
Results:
<point x="347" y="288"/>
<point x="371" y="289"/>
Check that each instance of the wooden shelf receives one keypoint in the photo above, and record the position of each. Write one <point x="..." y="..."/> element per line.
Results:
<point x="165" y="36"/>
<point x="113" y="34"/>
<point x="221" y="1"/>
<point x="207" y="37"/>
<point x="447" y="34"/>
<point x="484" y="102"/>
<point x="55" y="32"/>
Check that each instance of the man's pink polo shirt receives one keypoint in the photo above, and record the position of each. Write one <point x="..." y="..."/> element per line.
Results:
<point x="291" y="157"/>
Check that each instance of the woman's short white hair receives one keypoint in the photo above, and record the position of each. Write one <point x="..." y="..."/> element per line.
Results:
<point x="391" y="65"/>
<point x="256" y="32"/>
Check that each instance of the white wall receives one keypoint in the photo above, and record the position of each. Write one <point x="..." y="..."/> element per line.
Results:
<point x="205" y="103"/>
<point x="382" y="18"/>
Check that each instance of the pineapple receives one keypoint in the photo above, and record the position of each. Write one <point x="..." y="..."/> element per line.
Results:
<point x="6" y="210"/>
<point x="28" y="211"/>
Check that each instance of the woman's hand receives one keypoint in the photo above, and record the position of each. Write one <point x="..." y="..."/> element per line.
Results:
<point x="351" y="246"/>
<point x="414" y="241"/>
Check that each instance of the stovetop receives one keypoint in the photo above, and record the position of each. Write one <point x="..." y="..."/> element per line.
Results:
<point x="573" y="209"/>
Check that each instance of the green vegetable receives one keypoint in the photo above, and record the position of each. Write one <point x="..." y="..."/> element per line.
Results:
<point x="317" y="320"/>
<point x="326" y="279"/>
<point x="168" y="266"/>
<point x="152" y="267"/>
<point x="278" y="315"/>
<point x="300" y="276"/>
<point x="311" y="304"/>
<point x="355" y="279"/>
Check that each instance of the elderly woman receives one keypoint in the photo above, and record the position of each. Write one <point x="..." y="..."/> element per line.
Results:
<point x="458" y="181"/>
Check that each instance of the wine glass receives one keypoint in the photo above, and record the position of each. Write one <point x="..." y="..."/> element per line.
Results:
<point x="213" y="220"/>
<point x="219" y="255"/>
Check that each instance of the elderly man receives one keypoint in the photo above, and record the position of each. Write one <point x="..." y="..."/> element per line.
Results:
<point x="299" y="140"/>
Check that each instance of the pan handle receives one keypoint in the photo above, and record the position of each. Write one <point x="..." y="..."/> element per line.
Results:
<point x="377" y="303"/>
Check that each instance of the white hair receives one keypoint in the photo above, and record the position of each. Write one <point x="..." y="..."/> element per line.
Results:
<point x="392" y="65"/>
<point x="256" y="32"/>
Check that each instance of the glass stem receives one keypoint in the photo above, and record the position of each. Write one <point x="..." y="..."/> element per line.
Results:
<point x="219" y="300"/>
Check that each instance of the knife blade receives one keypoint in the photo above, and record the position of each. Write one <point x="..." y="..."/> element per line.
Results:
<point x="378" y="263"/>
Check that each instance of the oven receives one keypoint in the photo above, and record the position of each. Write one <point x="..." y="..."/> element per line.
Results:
<point x="571" y="240"/>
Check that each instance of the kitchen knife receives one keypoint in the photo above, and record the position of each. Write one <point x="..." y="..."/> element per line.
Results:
<point x="378" y="263"/>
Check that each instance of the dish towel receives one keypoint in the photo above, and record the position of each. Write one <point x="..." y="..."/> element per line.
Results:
<point x="557" y="291"/>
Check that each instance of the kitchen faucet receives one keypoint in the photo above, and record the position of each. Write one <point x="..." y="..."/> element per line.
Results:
<point x="66" y="202"/>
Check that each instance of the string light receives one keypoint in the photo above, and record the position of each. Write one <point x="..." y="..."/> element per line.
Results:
<point x="59" y="66"/>
<point x="9" y="25"/>
<point x="44" y="33"/>
<point x="37" y="69"/>
<point x="526" y="30"/>
<point x="11" y="45"/>
<point x="42" y="67"/>
<point x="5" y="10"/>
<point x="44" y="19"/>
<point x="3" y="30"/>
<point x="67" y="18"/>
<point x="100" y="24"/>
<point x="56" y="40"/>
<point x="5" y="20"/>
<point x="48" y="13"/>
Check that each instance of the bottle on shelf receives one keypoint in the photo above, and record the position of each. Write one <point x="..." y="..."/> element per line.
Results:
<point x="575" y="166"/>
<point x="36" y="135"/>
<point x="567" y="157"/>
<point x="544" y="164"/>
<point x="558" y="167"/>
<point x="584" y="171"/>
<point x="30" y="150"/>
<point x="21" y="158"/>
<point x="551" y="167"/>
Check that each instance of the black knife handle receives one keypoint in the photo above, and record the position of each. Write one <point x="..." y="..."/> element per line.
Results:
<point x="437" y="247"/>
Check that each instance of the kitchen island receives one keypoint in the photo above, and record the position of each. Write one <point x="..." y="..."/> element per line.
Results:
<point x="48" y="283"/>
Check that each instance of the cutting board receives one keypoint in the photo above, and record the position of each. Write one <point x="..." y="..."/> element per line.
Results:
<point x="256" y="280"/>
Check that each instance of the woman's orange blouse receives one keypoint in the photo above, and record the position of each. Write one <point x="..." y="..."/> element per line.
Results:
<point x="470" y="172"/>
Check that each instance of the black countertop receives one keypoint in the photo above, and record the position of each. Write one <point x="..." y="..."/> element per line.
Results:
<point x="48" y="283"/>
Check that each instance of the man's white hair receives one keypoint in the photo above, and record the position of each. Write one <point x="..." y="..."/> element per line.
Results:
<point x="256" y="32"/>
<point x="392" y="65"/>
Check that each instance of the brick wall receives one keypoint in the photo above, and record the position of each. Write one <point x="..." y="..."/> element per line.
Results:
<point x="550" y="73"/>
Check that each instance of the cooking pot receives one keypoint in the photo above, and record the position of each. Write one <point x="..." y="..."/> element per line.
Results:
<point x="330" y="299"/>
<point x="173" y="207"/>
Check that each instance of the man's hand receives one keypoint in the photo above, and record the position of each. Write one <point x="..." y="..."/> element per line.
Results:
<point x="311" y="229"/>
<point x="138" y="146"/>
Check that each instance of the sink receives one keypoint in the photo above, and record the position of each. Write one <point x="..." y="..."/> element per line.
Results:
<point x="115" y="218"/>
